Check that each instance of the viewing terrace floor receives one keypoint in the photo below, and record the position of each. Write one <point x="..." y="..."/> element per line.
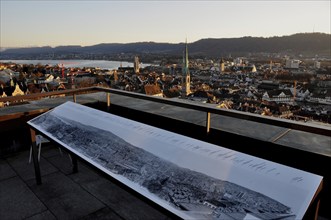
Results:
<point x="87" y="195"/>
<point x="63" y="194"/>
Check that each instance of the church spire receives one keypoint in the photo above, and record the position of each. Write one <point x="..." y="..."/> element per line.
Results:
<point x="186" y="55"/>
<point x="185" y="60"/>
<point x="186" y="73"/>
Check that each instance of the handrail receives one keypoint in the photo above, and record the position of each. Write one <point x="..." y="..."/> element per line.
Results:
<point x="44" y="94"/>
<point x="300" y="126"/>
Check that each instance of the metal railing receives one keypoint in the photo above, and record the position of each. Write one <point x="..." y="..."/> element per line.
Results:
<point x="295" y="125"/>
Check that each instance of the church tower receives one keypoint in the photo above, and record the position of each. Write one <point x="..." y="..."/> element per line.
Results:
<point x="136" y="65"/>
<point x="222" y="65"/>
<point x="186" y="79"/>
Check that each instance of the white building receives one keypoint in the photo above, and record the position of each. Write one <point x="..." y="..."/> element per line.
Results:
<point x="278" y="96"/>
<point x="292" y="64"/>
<point x="317" y="65"/>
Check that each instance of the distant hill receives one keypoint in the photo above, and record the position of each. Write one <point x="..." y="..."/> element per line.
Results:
<point x="312" y="43"/>
<point x="303" y="43"/>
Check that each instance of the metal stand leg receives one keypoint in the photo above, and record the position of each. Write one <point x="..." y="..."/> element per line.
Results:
<point x="35" y="157"/>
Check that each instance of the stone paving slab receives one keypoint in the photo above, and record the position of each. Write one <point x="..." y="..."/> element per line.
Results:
<point x="5" y="170"/>
<point x="65" y="198"/>
<point x="42" y="216"/>
<point x="48" y="150"/>
<point x="124" y="204"/>
<point x="17" y="201"/>
<point x="104" y="213"/>
<point x="117" y="199"/>
<point x="83" y="195"/>
<point x="21" y="165"/>
<point x="62" y="162"/>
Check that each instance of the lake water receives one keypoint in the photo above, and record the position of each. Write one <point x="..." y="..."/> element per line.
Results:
<point x="103" y="64"/>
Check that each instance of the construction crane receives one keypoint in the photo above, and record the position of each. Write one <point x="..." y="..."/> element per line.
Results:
<point x="65" y="63"/>
<point x="62" y="70"/>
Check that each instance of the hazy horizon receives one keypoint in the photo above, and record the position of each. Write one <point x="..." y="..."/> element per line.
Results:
<point x="56" y="23"/>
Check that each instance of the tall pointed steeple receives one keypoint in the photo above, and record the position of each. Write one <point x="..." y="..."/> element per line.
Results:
<point x="221" y="65"/>
<point x="186" y="81"/>
<point x="136" y="64"/>
<point x="186" y="56"/>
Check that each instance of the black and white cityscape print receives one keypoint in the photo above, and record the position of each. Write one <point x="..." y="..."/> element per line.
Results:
<point x="193" y="193"/>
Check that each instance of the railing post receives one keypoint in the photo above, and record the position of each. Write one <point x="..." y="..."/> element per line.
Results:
<point x="108" y="101"/>
<point x="208" y="122"/>
<point x="74" y="97"/>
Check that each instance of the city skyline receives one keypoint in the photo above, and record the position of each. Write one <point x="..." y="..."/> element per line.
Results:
<point x="56" y="23"/>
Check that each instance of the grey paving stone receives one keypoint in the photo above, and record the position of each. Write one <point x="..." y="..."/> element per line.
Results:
<point x="41" y="216"/>
<point x="122" y="202"/>
<point x="128" y="208"/>
<point x="17" y="201"/>
<point x="5" y="170"/>
<point x="84" y="175"/>
<point x="62" y="163"/>
<point x="125" y="204"/>
<point x="25" y="170"/>
<point x="105" y="213"/>
<point x="64" y="198"/>
<point x="322" y="218"/>
<point x="49" y="150"/>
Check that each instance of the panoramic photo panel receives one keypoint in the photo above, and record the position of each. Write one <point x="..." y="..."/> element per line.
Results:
<point x="191" y="178"/>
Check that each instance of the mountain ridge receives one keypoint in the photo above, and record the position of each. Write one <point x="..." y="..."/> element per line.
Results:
<point x="312" y="43"/>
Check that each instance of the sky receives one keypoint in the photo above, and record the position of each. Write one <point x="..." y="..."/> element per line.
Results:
<point x="28" y="23"/>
